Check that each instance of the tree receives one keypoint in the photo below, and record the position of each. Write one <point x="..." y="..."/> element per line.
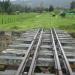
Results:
<point x="51" y="8"/>
<point x="1" y="6"/>
<point x="72" y="5"/>
<point x="27" y="8"/>
<point x="7" y="6"/>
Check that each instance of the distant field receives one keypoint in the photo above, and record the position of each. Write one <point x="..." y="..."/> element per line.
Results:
<point x="36" y="20"/>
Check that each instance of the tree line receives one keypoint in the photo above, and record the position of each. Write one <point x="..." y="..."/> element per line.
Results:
<point x="7" y="7"/>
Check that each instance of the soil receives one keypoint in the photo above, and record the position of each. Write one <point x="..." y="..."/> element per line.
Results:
<point x="72" y="34"/>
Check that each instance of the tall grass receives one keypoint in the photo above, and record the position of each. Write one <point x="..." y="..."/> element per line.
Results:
<point x="35" y="20"/>
<point x="5" y="19"/>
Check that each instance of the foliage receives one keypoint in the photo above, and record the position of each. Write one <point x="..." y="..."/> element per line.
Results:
<point x="51" y="8"/>
<point x="5" y="6"/>
<point x="72" y="5"/>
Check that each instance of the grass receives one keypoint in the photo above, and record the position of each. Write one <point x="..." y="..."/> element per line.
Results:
<point x="36" y="20"/>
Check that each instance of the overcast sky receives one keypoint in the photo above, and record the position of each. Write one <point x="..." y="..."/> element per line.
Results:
<point x="26" y="0"/>
<point x="10" y="0"/>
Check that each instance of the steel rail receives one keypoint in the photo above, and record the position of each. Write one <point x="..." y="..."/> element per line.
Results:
<point x="33" y="63"/>
<point x="26" y="57"/>
<point x="56" y="57"/>
<point x="63" y="53"/>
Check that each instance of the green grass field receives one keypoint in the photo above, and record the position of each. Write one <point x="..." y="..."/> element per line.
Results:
<point x="36" y="20"/>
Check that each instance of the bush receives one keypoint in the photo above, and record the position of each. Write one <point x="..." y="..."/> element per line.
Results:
<point x="63" y="14"/>
<point x="15" y="27"/>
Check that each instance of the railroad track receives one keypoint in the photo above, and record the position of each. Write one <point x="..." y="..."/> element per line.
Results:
<point x="40" y="52"/>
